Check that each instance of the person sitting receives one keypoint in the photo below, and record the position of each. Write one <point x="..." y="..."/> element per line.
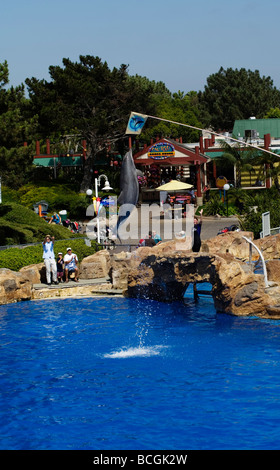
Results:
<point x="55" y="219"/>
<point x="70" y="265"/>
<point x="149" y="241"/>
<point x="156" y="238"/>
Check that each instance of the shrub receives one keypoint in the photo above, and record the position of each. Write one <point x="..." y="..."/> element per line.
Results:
<point x="264" y="201"/>
<point x="17" y="258"/>
<point x="217" y="206"/>
<point x="59" y="197"/>
<point x="12" y="234"/>
<point x="19" y="225"/>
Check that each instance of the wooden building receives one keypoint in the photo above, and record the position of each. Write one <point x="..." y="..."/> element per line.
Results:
<point x="167" y="159"/>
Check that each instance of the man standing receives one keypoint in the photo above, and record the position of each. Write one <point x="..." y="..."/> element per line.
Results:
<point x="70" y="265"/>
<point x="196" y="233"/>
<point x="49" y="259"/>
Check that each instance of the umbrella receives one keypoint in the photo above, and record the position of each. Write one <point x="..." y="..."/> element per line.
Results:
<point x="174" y="185"/>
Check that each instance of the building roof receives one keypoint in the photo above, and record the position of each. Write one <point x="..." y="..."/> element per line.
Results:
<point x="183" y="155"/>
<point x="48" y="161"/>
<point x="262" y="126"/>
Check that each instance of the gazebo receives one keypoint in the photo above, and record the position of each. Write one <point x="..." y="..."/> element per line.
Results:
<point x="188" y="164"/>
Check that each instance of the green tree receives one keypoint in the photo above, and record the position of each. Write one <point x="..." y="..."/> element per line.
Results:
<point x="16" y="128"/>
<point x="272" y="164"/>
<point x="16" y="124"/>
<point x="4" y="74"/>
<point x="89" y="99"/>
<point x="179" y="108"/>
<point x="273" y="113"/>
<point x="238" y="156"/>
<point x="237" y="94"/>
<point x="16" y="166"/>
<point x="264" y="201"/>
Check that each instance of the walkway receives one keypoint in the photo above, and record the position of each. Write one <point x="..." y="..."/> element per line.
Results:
<point x="70" y="284"/>
<point x="210" y="229"/>
<point x="83" y="288"/>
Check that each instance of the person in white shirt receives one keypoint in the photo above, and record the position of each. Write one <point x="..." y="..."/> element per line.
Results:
<point x="49" y="259"/>
<point x="70" y="265"/>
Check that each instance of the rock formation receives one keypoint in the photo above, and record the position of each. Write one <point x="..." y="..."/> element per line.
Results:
<point x="233" y="243"/>
<point x="230" y="242"/>
<point x="14" y="287"/>
<point x="235" y="289"/>
<point x="164" y="272"/>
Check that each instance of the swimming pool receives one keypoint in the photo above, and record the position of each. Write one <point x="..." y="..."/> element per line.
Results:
<point x="115" y="373"/>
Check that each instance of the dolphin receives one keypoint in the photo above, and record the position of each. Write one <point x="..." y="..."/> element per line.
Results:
<point x="129" y="187"/>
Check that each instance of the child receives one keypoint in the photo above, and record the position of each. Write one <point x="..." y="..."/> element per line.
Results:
<point x="60" y="267"/>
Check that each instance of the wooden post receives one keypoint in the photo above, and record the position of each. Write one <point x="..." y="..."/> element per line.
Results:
<point x="37" y="147"/>
<point x="214" y="171"/>
<point x="84" y="144"/>
<point x="198" y="176"/>
<point x="267" y="142"/>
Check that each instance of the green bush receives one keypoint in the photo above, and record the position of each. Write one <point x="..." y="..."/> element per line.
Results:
<point x="267" y="200"/>
<point x="14" y="233"/>
<point x="59" y="197"/>
<point x="217" y="206"/>
<point x="20" y="225"/>
<point x="17" y="258"/>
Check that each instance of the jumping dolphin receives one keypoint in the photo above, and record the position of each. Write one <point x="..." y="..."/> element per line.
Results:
<point x="129" y="188"/>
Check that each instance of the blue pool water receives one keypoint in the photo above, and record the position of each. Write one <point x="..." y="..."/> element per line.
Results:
<point x="115" y="373"/>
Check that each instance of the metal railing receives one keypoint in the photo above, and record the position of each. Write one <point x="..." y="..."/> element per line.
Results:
<point x="24" y="245"/>
<point x="105" y="244"/>
<point x="273" y="231"/>
<point x="251" y="244"/>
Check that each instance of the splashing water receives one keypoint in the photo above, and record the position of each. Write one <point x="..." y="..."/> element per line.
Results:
<point x="141" y="351"/>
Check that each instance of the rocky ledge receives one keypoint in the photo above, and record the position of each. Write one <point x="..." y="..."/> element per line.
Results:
<point x="163" y="273"/>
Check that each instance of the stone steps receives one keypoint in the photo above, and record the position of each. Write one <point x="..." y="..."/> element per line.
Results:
<point x="83" y="288"/>
<point x="71" y="283"/>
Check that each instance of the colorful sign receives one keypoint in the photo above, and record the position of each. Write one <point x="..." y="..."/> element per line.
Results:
<point x="107" y="201"/>
<point x="136" y="123"/>
<point x="221" y="181"/>
<point x="161" y="150"/>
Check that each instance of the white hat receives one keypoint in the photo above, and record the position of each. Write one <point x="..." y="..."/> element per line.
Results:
<point x="69" y="248"/>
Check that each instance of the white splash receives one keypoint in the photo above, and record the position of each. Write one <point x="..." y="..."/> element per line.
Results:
<point x="135" y="352"/>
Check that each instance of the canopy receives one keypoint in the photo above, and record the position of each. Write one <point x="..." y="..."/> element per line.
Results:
<point x="174" y="185"/>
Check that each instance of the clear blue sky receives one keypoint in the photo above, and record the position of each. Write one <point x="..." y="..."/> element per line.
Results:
<point x="179" y="42"/>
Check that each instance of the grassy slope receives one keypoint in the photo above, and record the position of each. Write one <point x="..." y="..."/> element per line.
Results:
<point x="19" y="225"/>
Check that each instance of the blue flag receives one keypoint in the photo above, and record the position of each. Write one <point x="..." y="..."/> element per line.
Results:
<point x="136" y="123"/>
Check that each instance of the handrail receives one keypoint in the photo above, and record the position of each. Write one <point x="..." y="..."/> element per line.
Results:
<point x="262" y="258"/>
